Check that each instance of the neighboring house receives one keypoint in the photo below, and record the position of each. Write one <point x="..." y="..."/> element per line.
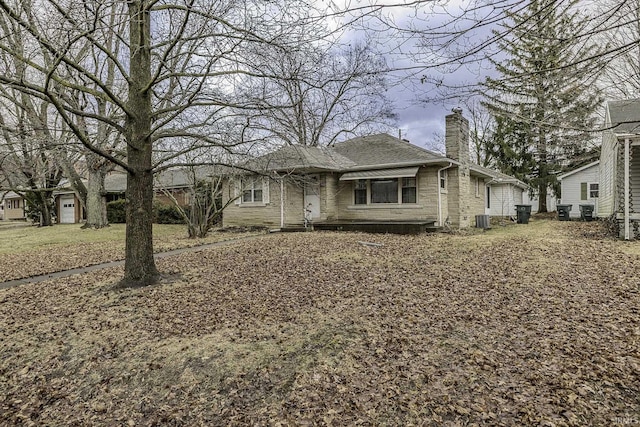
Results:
<point x="619" y="190"/>
<point x="504" y="192"/>
<point x="13" y="206"/>
<point x="374" y="178"/>
<point x="580" y="187"/>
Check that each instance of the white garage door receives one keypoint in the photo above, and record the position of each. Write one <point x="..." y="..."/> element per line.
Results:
<point x="67" y="210"/>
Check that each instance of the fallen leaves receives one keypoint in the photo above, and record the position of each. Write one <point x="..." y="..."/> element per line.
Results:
<point x="316" y="328"/>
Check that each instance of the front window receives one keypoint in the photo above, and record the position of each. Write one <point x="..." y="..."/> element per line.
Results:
<point x="388" y="190"/>
<point x="361" y="192"/>
<point x="384" y="190"/>
<point x="409" y="190"/>
<point x="251" y="190"/>
<point x="593" y="190"/>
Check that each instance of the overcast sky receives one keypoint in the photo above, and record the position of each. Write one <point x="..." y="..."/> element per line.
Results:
<point x="419" y="103"/>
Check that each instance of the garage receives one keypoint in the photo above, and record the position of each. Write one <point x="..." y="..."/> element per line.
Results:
<point x="67" y="209"/>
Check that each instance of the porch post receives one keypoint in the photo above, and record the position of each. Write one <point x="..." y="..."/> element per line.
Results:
<point x="626" y="189"/>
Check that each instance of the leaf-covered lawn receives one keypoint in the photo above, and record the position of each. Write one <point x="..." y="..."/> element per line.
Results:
<point x="528" y="325"/>
<point x="33" y="251"/>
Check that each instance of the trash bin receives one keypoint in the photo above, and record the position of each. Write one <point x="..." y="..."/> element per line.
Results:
<point x="523" y="212"/>
<point x="483" y="221"/>
<point x="563" y="212"/>
<point x="586" y="212"/>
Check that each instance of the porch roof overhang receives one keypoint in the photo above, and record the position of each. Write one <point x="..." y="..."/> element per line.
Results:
<point x="381" y="174"/>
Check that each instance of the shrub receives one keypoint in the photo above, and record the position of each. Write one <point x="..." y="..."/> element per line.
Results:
<point x="116" y="211"/>
<point x="167" y="214"/>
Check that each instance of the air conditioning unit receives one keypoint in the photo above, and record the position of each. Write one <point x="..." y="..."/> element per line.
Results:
<point x="483" y="221"/>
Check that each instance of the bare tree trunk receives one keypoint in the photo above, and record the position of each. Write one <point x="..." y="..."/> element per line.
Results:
<point x="140" y="268"/>
<point x="95" y="202"/>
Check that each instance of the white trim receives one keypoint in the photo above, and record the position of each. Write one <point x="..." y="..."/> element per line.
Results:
<point x="381" y="174"/>
<point x="580" y="169"/>
<point x="626" y="189"/>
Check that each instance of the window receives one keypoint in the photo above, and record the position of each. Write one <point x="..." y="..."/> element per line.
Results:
<point x="488" y="197"/>
<point x="251" y="190"/>
<point x="477" y="183"/>
<point x="360" y="192"/>
<point x="443" y="180"/>
<point x="409" y="193"/>
<point x="589" y="190"/>
<point x="384" y="190"/>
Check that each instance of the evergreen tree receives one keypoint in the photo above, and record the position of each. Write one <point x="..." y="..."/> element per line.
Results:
<point x="544" y="99"/>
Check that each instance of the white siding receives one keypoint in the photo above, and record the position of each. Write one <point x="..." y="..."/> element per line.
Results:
<point x="608" y="158"/>
<point x="504" y="198"/>
<point x="571" y="188"/>
<point x="634" y="179"/>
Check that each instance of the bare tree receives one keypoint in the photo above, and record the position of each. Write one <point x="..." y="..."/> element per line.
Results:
<point x="314" y="94"/>
<point x="177" y="62"/>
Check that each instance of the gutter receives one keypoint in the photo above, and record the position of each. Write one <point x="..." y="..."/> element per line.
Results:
<point x="440" y="193"/>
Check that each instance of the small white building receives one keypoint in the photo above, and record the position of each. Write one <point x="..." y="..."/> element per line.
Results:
<point x="503" y="194"/>
<point x="580" y="186"/>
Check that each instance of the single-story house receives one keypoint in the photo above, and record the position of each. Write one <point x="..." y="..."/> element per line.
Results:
<point x="13" y="206"/>
<point x="372" y="178"/>
<point x="620" y="167"/>
<point x="580" y="187"/>
<point x="177" y="182"/>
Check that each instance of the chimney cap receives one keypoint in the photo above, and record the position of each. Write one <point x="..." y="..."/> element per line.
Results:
<point x="457" y="110"/>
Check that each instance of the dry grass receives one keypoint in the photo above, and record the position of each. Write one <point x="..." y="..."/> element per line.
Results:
<point x="525" y="325"/>
<point x="31" y="251"/>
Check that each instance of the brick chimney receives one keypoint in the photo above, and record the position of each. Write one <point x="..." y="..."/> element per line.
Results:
<point x="457" y="136"/>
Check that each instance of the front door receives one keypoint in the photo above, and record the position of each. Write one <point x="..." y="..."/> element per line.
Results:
<point x="312" y="196"/>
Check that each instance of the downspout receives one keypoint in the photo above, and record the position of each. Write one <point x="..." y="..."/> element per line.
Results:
<point x="281" y="202"/>
<point x="626" y="189"/>
<point x="440" y="194"/>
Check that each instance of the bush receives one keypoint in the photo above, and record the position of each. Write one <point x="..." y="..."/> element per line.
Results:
<point x="167" y="214"/>
<point x="116" y="212"/>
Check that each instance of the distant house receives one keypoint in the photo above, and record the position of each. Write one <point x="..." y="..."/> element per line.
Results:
<point x="580" y="187"/>
<point x="619" y="187"/>
<point x="14" y="205"/>
<point x="377" y="178"/>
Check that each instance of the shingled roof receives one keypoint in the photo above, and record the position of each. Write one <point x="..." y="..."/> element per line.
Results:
<point x="384" y="150"/>
<point x="298" y="157"/>
<point x="625" y="115"/>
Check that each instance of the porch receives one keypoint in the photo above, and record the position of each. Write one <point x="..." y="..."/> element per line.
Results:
<point x="379" y="226"/>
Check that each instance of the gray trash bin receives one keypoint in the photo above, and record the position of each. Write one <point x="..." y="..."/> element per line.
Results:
<point x="523" y="212"/>
<point x="586" y="212"/>
<point x="563" y="212"/>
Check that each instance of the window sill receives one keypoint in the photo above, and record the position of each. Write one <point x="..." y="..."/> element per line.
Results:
<point x="443" y="191"/>
<point x="386" y="206"/>
<point x="252" y="205"/>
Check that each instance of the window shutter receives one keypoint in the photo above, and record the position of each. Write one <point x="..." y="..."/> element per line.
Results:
<point x="583" y="191"/>
<point x="265" y="189"/>
<point x="236" y="191"/>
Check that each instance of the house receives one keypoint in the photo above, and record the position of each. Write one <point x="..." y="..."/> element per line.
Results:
<point x="620" y="167"/>
<point x="377" y="178"/>
<point x="580" y="187"/>
<point x="14" y="205"/>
